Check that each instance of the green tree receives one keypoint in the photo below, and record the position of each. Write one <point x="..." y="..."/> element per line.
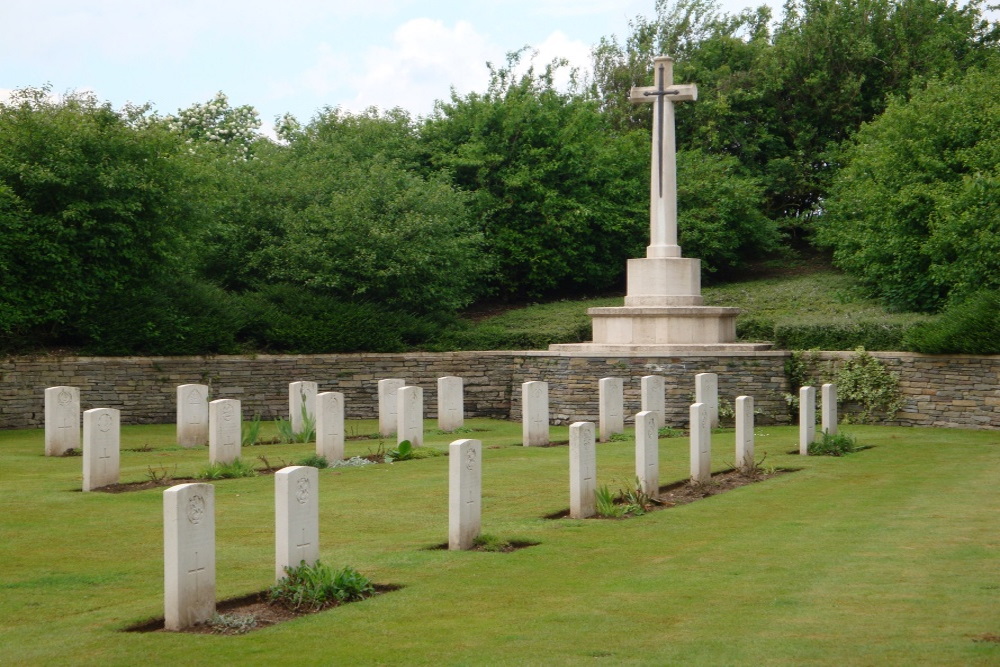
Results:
<point x="559" y="196"/>
<point x="94" y="214"/>
<point x="341" y="211"/>
<point x="783" y="101"/>
<point x="914" y="212"/>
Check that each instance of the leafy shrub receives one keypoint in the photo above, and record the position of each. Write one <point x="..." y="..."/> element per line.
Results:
<point x="865" y="380"/>
<point x="913" y="212"/>
<point x="870" y="334"/>
<point x="313" y="587"/>
<point x="833" y="445"/>
<point x="970" y="327"/>
<point x="299" y="320"/>
<point x="232" y="470"/>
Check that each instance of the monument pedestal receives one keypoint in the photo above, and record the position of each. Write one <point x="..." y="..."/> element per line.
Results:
<point x="663" y="315"/>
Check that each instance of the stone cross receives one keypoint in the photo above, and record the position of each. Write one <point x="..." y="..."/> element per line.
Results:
<point x="663" y="94"/>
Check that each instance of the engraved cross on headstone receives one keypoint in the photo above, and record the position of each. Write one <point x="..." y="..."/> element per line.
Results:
<point x="196" y="570"/>
<point x="302" y="546"/>
<point x="663" y="94"/>
<point x="588" y="473"/>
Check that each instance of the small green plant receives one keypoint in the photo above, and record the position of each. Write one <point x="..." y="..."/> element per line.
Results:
<point x="314" y="460"/>
<point x="231" y="470"/>
<point x="251" y="431"/>
<point x="619" y="437"/>
<point x="404" y="452"/>
<point x="670" y="432"/>
<point x="308" y="432"/>
<point x="160" y="473"/>
<point x="606" y="505"/>
<point x="492" y="543"/>
<point x="754" y="468"/>
<point x="629" y="501"/>
<point x="635" y="500"/>
<point x="232" y="624"/>
<point x="833" y="445"/>
<point x="313" y="587"/>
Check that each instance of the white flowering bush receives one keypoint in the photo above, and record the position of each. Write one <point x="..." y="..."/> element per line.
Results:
<point x="218" y="123"/>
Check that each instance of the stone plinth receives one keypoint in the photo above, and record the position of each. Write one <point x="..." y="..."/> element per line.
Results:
<point x="664" y="281"/>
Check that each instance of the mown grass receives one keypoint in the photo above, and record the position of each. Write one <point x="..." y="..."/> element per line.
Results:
<point x="885" y="556"/>
<point x="820" y="308"/>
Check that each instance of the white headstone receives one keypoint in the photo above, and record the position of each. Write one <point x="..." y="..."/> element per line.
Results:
<point x="188" y="555"/>
<point x="535" y="413"/>
<point x="582" y="470"/>
<point x="653" y="388"/>
<point x="301" y="394"/>
<point x="62" y="420"/>
<point x="465" y="491"/>
<point x="451" y="403"/>
<point x="225" y="430"/>
<point x="296" y="518"/>
<point x="410" y="414"/>
<point x="701" y="444"/>
<point x="706" y="391"/>
<point x="101" y="442"/>
<point x="647" y="453"/>
<point x="744" y="432"/>
<point x="192" y="415"/>
<point x="330" y="425"/>
<point x="807" y="418"/>
<point x="388" y="418"/>
<point x="829" y="409"/>
<point x="611" y="407"/>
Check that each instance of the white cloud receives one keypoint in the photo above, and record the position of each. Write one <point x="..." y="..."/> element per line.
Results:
<point x="425" y="60"/>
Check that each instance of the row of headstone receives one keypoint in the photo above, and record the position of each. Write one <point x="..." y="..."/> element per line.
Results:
<point x="807" y="414"/>
<point x="611" y="405"/>
<point x="189" y="517"/>
<point x="189" y="541"/>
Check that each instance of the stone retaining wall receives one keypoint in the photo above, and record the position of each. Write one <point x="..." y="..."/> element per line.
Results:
<point x="953" y="391"/>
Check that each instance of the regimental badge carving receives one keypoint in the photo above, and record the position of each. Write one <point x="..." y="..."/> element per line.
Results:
<point x="196" y="509"/>
<point x="65" y="398"/>
<point x="104" y="422"/>
<point x="470" y="459"/>
<point x="227" y="411"/>
<point x="302" y="490"/>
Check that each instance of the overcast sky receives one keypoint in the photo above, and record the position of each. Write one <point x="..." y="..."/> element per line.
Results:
<point x="293" y="55"/>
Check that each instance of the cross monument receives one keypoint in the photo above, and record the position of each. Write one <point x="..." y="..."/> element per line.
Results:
<point x="663" y="94"/>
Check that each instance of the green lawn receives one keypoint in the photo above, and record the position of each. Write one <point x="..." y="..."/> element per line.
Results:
<point x="888" y="556"/>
